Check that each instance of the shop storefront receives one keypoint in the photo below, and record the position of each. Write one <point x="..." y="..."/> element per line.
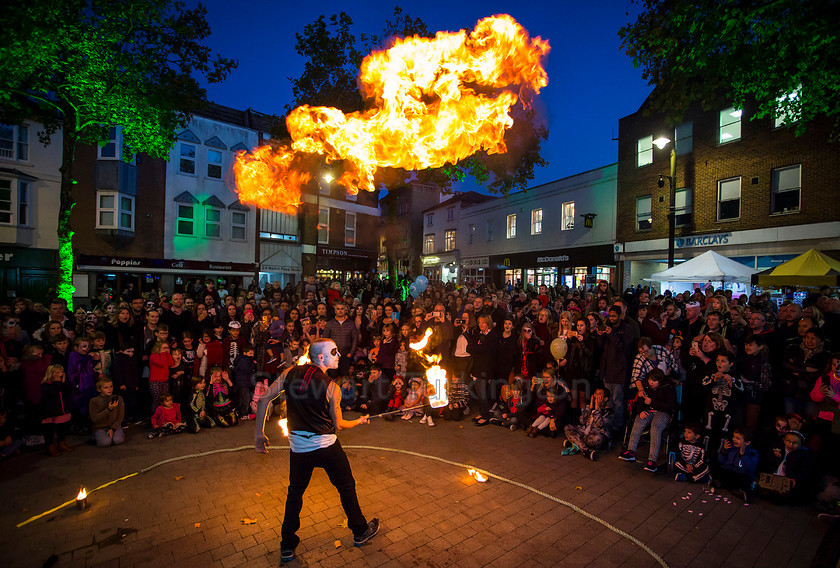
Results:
<point x="339" y="263"/>
<point x="27" y="273"/>
<point x="440" y="267"/>
<point x="107" y="275"/>
<point x="475" y="270"/>
<point x="569" y="267"/>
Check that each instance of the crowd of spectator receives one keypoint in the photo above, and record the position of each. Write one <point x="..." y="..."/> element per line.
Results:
<point x="730" y="387"/>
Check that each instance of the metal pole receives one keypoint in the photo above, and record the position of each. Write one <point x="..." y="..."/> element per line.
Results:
<point x="672" y="208"/>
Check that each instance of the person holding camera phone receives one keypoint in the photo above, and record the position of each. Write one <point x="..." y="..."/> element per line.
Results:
<point x="107" y="412"/>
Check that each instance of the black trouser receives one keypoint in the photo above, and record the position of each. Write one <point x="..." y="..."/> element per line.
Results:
<point x="334" y="461"/>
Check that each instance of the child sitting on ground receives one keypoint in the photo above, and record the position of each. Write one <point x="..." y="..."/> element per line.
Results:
<point x="414" y="397"/>
<point x="348" y="393"/>
<point x="106" y="413"/>
<point x="167" y="418"/>
<point x="513" y="412"/>
<point x="223" y="410"/>
<point x="198" y="407"/>
<point x="797" y="465"/>
<point x="550" y="415"/>
<point x="459" y="398"/>
<point x="596" y="422"/>
<point x="396" y="397"/>
<point x="656" y="405"/>
<point x="691" y="463"/>
<point x="737" y="463"/>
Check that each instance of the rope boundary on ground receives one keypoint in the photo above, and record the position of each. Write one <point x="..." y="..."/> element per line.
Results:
<point x="572" y="506"/>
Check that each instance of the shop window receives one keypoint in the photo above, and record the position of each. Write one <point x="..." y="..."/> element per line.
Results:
<point x="729" y="199"/>
<point x="238" y="226"/>
<point x="785" y="185"/>
<point x="185" y="225"/>
<point x="14" y="142"/>
<point x="324" y="225"/>
<point x="350" y="229"/>
<point x="114" y="211"/>
<point x="214" y="163"/>
<point x="683" y="138"/>
<point x="429" y="243"/>
<point x="511" y="226"/>
<point x="536" y="221"/>
<point x="212" y="222"/>
<point x="682" y="207"/>
<point x="568" y="222"/>
<point x="644" y="217"/>
<point x="729" y="125"/>
<point x="449" y="240"/>
<point x="644" y="151"/>
<point x="187" y="163"/>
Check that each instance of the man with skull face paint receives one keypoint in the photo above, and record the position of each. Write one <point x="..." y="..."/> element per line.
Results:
<point x="313" y="404"/>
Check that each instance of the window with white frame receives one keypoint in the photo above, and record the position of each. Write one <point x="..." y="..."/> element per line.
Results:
<point x="14" y="142"/>
<point x="489" y="229"/>
<point x="324" y="225"/>
<point x="510" y="231"/>
<point x="214" y="163"/>
<point x="471" y="232"/>
<point x="450" y="214"/>
<point x="683" y="138"/>
<point x="114" y="211"/>
<point x="429" y="243"/>
<point x="791" y="111"/>
<point x="212" y="222"/>
<point x="350" y="229"/>
<point x="185" y="224"/>
<point x="729" y="199"/>
<point x="238" y="226"/>
<point x="729" y="125"/>
<point x="644" y="151"/>
<point x="430" y="219"/>
<point x="682" y="206"/>
<point x="568" y="222"/>
<point x="14" y="202"/>
<point x="644" y="216"/>
<point x="449" y="240"/>
<point x="536" y="221"/>
<point x="188" y="153"/>
<point x="785" y="189"/>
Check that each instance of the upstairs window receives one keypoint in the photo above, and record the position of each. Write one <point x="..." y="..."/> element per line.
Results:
<point x="110" y="150"/>
<point x="536" y="221"/>
<point x="511" y="226"/>
<point x="450" y="214"/>
<point x="214" y="163"/>
<point x="114" y="211"/>
<point x="212" y="223"/>
<point x="429" y="243"/>
<point x="185" y="224"/>
<point x="682" y="207"/>
<point x="644" y="151"/>
<point x="449" y="240"/>
<point x="683" y="138"/>
<point x="350" y="229"/>
<point x="644" y="216"/>
<point x="470" y="235"/>
<point x="489" y="229"/>
<point x="238" y="226"/>
<point x="785" y="189"/>
<point x="788" y="109"/>
<point x="324" y="226"/>
<point x="568" y="222"/>
<point x="729" y="199"/>
<point x="729" y="125"/>
<point x="430" y="219"/>
<point x="187" y="162"/>
<point x="14" y="142"/>
<point x="14" y="202"/>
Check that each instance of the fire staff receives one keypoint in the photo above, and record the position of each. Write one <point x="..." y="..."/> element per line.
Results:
<point x="314" y="415"/>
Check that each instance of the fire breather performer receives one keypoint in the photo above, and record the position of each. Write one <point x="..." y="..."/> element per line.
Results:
<point x="314" y="415"/>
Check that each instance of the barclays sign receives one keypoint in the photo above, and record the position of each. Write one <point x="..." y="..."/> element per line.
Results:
<point x="703" y="240"/>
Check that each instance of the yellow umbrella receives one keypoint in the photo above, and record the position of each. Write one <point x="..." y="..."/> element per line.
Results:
<point x="811" y="268"/>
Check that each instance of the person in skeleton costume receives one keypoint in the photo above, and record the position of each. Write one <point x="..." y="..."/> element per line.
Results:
<point x="723" y="402"/>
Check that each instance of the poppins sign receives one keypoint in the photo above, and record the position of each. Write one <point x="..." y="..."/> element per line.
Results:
<point x="162" y="263"/>
<point x="703" y="240"/>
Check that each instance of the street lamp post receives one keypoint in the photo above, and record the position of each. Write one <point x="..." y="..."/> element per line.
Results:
<point x="672" y="181"/>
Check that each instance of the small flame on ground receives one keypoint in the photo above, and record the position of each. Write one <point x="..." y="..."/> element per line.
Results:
<point x="423" y="341"/>
<point x="475" y="474"/>
<point x="284" y="425"/>
<point x="82" y="494"/>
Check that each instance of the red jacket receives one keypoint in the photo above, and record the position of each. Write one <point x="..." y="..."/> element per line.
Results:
<point x="159" y="364"/>
<point x="163" y="415"/>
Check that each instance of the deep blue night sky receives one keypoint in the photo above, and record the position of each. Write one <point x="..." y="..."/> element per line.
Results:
<point x="591" y="82"/>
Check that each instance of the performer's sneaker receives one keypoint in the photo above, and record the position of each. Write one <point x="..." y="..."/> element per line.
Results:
<point x="372" y="530"/>
<point x="287" y="554"/>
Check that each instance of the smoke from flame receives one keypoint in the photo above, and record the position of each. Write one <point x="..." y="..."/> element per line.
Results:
<point x="435" y="101"/>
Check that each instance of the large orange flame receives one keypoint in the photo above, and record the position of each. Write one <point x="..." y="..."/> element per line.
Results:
<point x="436" y="101"/>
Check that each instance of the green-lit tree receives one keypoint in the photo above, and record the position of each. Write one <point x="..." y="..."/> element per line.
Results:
<point x="780" y="56"/>
<point x="333" y="56"/>
<point x="83" y="66"/>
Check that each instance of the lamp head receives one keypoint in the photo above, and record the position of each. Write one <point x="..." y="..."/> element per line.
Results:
<point x="661" y="182"/>
<point x="661" y="142"/>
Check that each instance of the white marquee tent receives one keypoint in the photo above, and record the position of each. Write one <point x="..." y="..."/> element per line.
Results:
<point x="708" y="267"/>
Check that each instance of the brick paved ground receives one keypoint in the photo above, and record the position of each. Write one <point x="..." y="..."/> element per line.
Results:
<point x="433" y="515"/>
